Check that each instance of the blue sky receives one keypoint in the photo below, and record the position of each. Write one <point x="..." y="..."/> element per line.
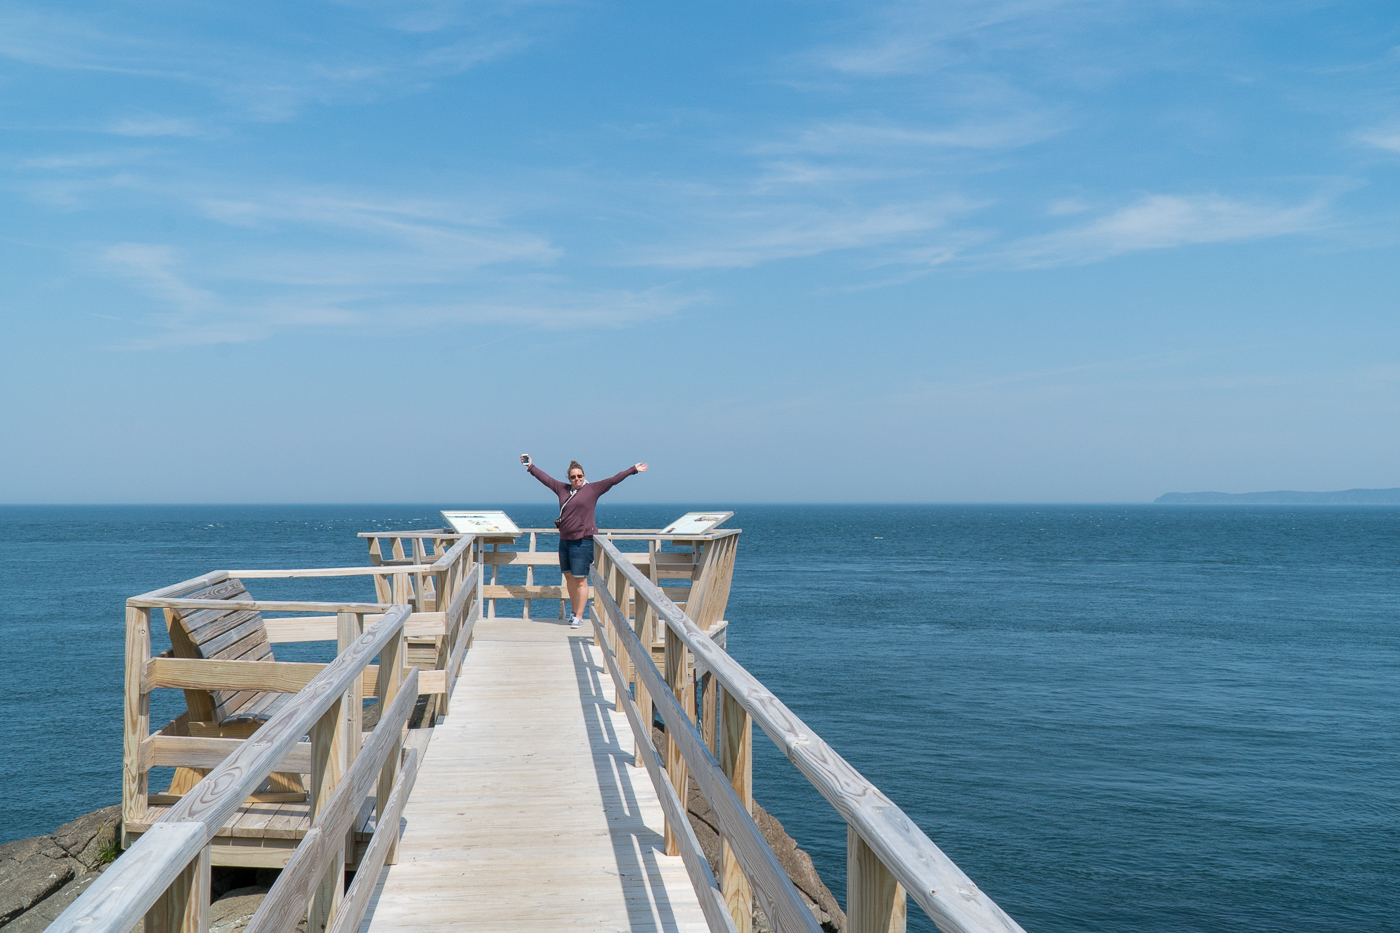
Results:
<point x="812" y="251"/>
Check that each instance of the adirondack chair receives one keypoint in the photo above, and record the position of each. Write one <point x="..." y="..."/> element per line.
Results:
<point x="227" y="635"/>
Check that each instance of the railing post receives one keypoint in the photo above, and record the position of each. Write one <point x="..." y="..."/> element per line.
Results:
<point x="875" y="901"/>
<point x="679" y="679"/>
<point x="495" y="571"/>
<point x="382" y="592"/>
<point x="529" y="576"/>
<point x="645" y="615"/>
<point x="391" y="658"/>
<point x="136" y="720"/>
<point x="736" y="760"/>
<point x="709" y="712"/>
<point x="184" y="907"/>
<point x="327" y="768"/>
<point x="444" y="583"/>
<point x="619" y="594"/>
<point x="350" y="626"/>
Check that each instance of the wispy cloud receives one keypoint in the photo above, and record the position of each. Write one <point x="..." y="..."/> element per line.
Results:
<point x="911" y="37"/>
<point x="780" y="232"/>
<point x="298" y="259"/>
<point x="1162" y="221"/>
<point x="1387" y="139"/>
<point x="854" y="137"/>
<point x="155" y="126"/>
<point x="271" y="73"/>
<point x="85" y="161"/>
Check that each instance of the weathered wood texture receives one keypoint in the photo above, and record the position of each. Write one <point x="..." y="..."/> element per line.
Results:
<point x="526" y="814"/>
<point x="779" y="899"/>
<point x="702" y="879"/>
<point x="875" y="901"/>
<point x="156" y="869"/>
<point x="302" y="880"/>
<point x="932" y="880"/>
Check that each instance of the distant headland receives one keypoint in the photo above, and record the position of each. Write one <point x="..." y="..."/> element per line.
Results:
<point x="1283" y="497"/>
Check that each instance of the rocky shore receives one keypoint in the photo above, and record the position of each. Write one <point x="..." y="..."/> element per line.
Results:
<point x="40" y="876"/>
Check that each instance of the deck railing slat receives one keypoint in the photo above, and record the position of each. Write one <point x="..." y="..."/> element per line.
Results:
<point x="776" y="893"/>
<point x="701" y="877"/>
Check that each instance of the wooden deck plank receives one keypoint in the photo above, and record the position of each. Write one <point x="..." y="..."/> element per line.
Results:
<point x="528" y="814"/>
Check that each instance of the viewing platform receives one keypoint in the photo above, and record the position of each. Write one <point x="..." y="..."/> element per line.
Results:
<point x="461" y="767"/>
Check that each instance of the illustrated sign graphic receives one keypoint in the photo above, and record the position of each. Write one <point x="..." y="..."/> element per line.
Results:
<point x="695" y="523"/>
<point x="481" y="523"/>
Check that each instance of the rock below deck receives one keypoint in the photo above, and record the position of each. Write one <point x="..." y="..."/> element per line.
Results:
<point x="527" y="813"/>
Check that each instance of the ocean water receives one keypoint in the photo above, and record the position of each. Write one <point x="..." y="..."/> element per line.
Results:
<point x="1112" y="718"/>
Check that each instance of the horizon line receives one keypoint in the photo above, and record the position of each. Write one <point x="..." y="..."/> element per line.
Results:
<point x="691" y="504"/>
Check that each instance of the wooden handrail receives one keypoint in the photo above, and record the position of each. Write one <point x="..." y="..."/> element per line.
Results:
<point x="930" y="878"/>
<point x="187" y="586"/>
<point x="358" y="894"/>
<point x="296" y="885"/>
<point x="381" y="570"/>
<point x="702" y="879"/>
<point x="445" y="561"/>
<point x="776" y="893"/>
<point x="118" y="899"/>
<point x="166" y="853"/>
<point x="429" y="533"/>
<point x="255" y="605"/>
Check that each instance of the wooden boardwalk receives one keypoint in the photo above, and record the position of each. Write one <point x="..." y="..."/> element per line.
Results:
<point x="523" y="810"/>
<point x="527" y="813"/>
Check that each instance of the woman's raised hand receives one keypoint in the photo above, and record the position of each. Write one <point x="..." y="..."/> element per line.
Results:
<point x="641" y="467"/>
<point x="525" y="459"/>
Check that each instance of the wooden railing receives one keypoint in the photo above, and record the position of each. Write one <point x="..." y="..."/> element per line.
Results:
<point x="438" y="638"/>
<point x="165" y="876"/>
<point x="889" y="859"/>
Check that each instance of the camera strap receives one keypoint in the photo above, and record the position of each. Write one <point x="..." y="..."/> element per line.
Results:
<point x="561" y="508"/>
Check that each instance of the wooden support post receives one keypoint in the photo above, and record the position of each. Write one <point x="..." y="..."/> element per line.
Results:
<point x="495" y="569"/>
<point x="645" y="619"/>
<point x="529" y="576"/>
<point x="736" y="760"/>
<point x="709" y="718"/>
<point x="677" y="672"/>
<point x="620" y="596"/>
<point x="136" y="720"/>
<point x="184" y="907"/>
<point x="444" y="585"/>
<point x="875" y="901"/>
<point x="391" y="658"/>
<point x="349" y="627"/>
<point x="381" y="582"/>
<point x="327" y="768"/>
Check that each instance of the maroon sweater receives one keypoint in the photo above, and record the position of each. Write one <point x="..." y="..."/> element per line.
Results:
<point x="578" y="514"/>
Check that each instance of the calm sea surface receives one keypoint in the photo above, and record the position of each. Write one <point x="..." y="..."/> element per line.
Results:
<point x="1112" y="718"/>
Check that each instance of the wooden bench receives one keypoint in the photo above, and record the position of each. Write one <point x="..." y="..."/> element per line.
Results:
<point x="227" y="635"/>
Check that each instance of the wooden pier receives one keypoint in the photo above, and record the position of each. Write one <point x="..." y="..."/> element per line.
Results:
<point x="528" y="795"/>
<point x="528" y="813"/>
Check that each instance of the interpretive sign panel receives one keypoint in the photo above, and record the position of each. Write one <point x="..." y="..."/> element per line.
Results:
<point x="481" y="523"/>
<point x="695" y="523"/>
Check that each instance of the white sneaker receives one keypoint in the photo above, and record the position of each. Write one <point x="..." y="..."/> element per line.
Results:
<point x="575" y="622"/>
